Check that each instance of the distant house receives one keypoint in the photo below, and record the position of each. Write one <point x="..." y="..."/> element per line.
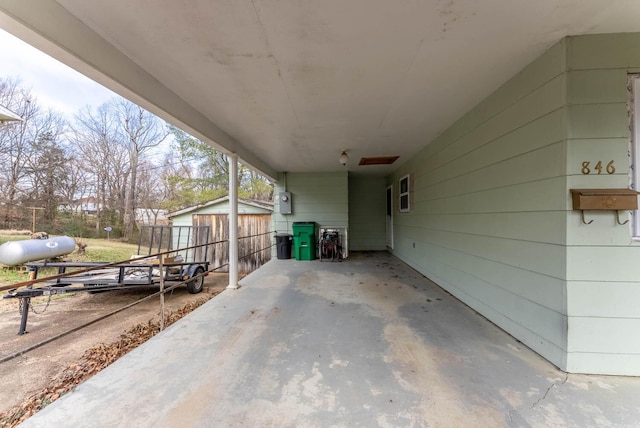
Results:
<point x="88" y="205"/>
<point x="254" y="230"/>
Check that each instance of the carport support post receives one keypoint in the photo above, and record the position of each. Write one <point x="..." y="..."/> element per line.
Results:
<point x="233" y="221"/>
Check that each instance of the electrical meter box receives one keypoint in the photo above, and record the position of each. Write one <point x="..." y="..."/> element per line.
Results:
<point x="285" y="202"/>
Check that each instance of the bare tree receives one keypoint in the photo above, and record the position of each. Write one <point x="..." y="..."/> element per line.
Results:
<point x="47" y="170"/>
<point x="100" y="154"/>
<point x="108" y="158"/>
<point x="151" y="191"/>
<point x="18" y="143"/>
<point x="77" y="182"/>
<point x="113" y="141"/>
<point x="142" y="131"/>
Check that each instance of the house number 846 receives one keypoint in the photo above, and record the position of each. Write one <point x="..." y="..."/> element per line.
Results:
<point x="610" y="169"/>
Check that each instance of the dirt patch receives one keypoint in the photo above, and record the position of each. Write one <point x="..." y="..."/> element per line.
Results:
<point x="33" y="371"/>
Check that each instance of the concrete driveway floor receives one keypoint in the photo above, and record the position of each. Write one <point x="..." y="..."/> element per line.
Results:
<point x="363" y="343"/>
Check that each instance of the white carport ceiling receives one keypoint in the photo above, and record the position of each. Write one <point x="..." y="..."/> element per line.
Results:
<point x="289" y="84"/>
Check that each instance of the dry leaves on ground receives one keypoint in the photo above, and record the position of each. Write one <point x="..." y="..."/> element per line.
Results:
<point x="93" y="360"/>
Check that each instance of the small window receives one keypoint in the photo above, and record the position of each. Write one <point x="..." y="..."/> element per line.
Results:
<point x="405" y="203"/>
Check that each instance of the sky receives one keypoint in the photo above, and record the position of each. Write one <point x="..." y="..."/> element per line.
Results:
<point x="55" y="85"/>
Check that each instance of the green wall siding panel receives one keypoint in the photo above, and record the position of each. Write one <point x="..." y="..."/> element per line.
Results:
<point x="591" y="334"/>
<point x="606" y="263"/>
<point x="543" y="258"/>
<point x="604" y="51"/>
<point x="537" y="134"/>
<point x="606" y="299"/>
<point x="514" y="226"/>
<point x="182" y="220"/>
<point x="367" y="213"/>
<point x="319" y="197"/>
<point x="598" y="121"/>
<point x="597" y="86"/>
<point x="489" y="217"/>
<point x="542" y="195"/>
<point x="535" y="165"/>
<point x="604" y="363"/>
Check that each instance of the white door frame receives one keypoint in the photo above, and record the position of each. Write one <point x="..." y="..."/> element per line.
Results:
<point x="389" y="216"/>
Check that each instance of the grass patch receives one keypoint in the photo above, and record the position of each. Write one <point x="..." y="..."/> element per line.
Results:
<point x="10" y="276"/>
<point x="101" y="250"/>
<point x="98" y="250"/>
<point x="7" y="238"/>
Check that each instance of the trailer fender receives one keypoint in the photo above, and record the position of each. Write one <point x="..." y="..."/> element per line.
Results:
<point x="190" y="271"/>
<point x="195" y="286"/>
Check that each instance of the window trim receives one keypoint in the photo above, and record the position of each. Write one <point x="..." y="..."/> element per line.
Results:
<point x="406" y="193"/>
<point x="634" y="149"/>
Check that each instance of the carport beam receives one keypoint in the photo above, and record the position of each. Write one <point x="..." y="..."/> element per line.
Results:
<point x="233" y="221"/>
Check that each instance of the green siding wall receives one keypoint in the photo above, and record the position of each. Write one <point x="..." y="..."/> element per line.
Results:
<point x="182" y="220"/>
<point x="319" y="197"/>
<point x="603" y="268"/>
<point x="492" y="220"/>
<point x="367" y="213"/>
<point x="489" y="207"/>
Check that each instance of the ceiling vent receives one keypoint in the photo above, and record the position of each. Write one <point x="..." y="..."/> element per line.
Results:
<point x="381" y="160"/>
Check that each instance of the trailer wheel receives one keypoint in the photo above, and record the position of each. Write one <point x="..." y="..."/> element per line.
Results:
<point x="195" y="286"/>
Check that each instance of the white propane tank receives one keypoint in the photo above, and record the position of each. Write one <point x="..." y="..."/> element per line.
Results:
<point x="17" y="252"/>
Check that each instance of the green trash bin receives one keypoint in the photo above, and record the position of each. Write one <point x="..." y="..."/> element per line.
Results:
<point x="304" y="240"/>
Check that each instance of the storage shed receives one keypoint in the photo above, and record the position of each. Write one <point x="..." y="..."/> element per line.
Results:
<point x="254" y="225"/>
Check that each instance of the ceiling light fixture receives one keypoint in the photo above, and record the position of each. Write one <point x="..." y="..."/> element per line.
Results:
<point x="343" y="158"/>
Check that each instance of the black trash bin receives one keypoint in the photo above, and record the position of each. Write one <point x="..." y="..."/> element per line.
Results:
<point x="284" y="241"/>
